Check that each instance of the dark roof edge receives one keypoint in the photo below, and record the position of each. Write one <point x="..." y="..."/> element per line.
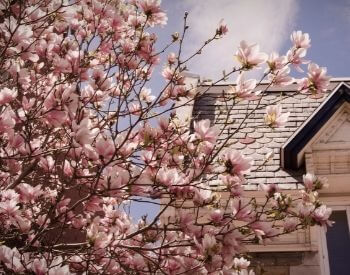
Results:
<point x="266" y="82"/>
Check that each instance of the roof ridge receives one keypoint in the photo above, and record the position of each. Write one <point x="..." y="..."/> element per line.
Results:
<point x="265" y="82"/>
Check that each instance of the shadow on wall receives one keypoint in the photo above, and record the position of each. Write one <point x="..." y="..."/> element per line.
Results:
<point x="204" y="108"/>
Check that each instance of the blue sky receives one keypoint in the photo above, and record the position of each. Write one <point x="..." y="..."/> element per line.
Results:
<point x="328" y="23"/>
<point x="268" y="22"/>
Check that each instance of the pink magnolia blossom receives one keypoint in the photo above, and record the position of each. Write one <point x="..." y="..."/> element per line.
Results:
<point x="322" y="214"/>
<point x="241" y="263"/>
<point x="263" y="230"/>
<point x="10" y="208"/>
<point x="105" y="147"/>
<point x="217" y="215"/>
<point x="296" y="58"/>
<point x="90" y="152"/>
<point x="202" y="195"/>
<point x="186" y="220"/>
<point x="15" y="141"/>
<point x="43" y="220"/>
<point x="30" y="56"/>
<point x="67" y="168"/>
<point x="137" y="262"/>
<point x="309" y="181"/>
<point x="171" y="58"/>
<point x="276" y="62"/>
<point x="7" y="95"/>
<point x="9" y="195"/>
<point x="249" y="55"/>
<point x="7" y="120"/>
<point x="114" y="178"/>
<point x="236" y="163"/>
<point x="290" y="224"/>
<point x="135" y="108"/>
<point x="145" y="95"/>
<point x="270" y="189"/>
<point x="78" y="222"/>
<point x="233" y="183"/>
<point x="242" y="272"/>
<point x="11" y="258"/>
<point x="57" y="267"/>
<point x="153" y="11"/>
<point x="300" y="40"/>
<point x="98" y="238"/>
<point x="35" y="13"/>
<point x="24" y="224"/>
<point x="317" y="80"/>
<point x="83" y="133"/>
<point x="281" y="77"/>
<point x="62" y="206"/>
<point x="22" y="34"/>
<point x="28" y="193"/>
<point x="243" y="89"/>
<point x="222" y="29"/>
<point x="168" y="176"/>
<point x="274" y="116"/>
<point x="313" y="183"/>
<point x="27" y="104"/>
<point x="56" y="118"/>
<point x="171" y="75"/>
<point x="90" y="94"/>
<point x="204" y="132"/>
<point x="39" y="266"/>
<point x="47" y="163"/>
<point x="208" y="245"/>
<point x="241" y="210"/>
<point x="13" y="166"/>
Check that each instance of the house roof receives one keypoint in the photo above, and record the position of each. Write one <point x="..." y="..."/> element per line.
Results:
<point x="264" y="139"/>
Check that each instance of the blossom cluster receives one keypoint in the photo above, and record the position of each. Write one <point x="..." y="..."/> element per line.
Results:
<point x="84" y="135"/>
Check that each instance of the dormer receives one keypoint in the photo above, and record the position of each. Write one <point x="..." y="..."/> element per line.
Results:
<point x="328" y="152"/>
<point x="327" y="114"/>
<point x="322" y="143"/>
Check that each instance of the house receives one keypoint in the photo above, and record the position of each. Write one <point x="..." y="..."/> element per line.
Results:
<point x="316" y="139"/>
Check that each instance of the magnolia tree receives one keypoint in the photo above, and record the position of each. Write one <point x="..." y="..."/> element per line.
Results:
<point x="83" y="135"/>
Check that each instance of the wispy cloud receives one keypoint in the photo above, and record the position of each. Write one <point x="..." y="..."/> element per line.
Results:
<point x="268" y="23"/>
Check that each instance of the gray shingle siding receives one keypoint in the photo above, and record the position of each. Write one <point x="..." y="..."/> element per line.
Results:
<point x="251" y="116"/>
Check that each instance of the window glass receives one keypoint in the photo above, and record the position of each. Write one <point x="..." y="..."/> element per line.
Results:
<point x="338" y="244"/>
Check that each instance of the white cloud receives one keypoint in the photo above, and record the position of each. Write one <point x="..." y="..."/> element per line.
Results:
<point x="268" y="23"/>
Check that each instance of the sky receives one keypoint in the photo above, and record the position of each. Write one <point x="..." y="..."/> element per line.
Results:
<point x="267" y="22"/>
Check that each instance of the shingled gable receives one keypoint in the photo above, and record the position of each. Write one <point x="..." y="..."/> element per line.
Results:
<point x="302" y="108"/>
<point x="292" y="150"/>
